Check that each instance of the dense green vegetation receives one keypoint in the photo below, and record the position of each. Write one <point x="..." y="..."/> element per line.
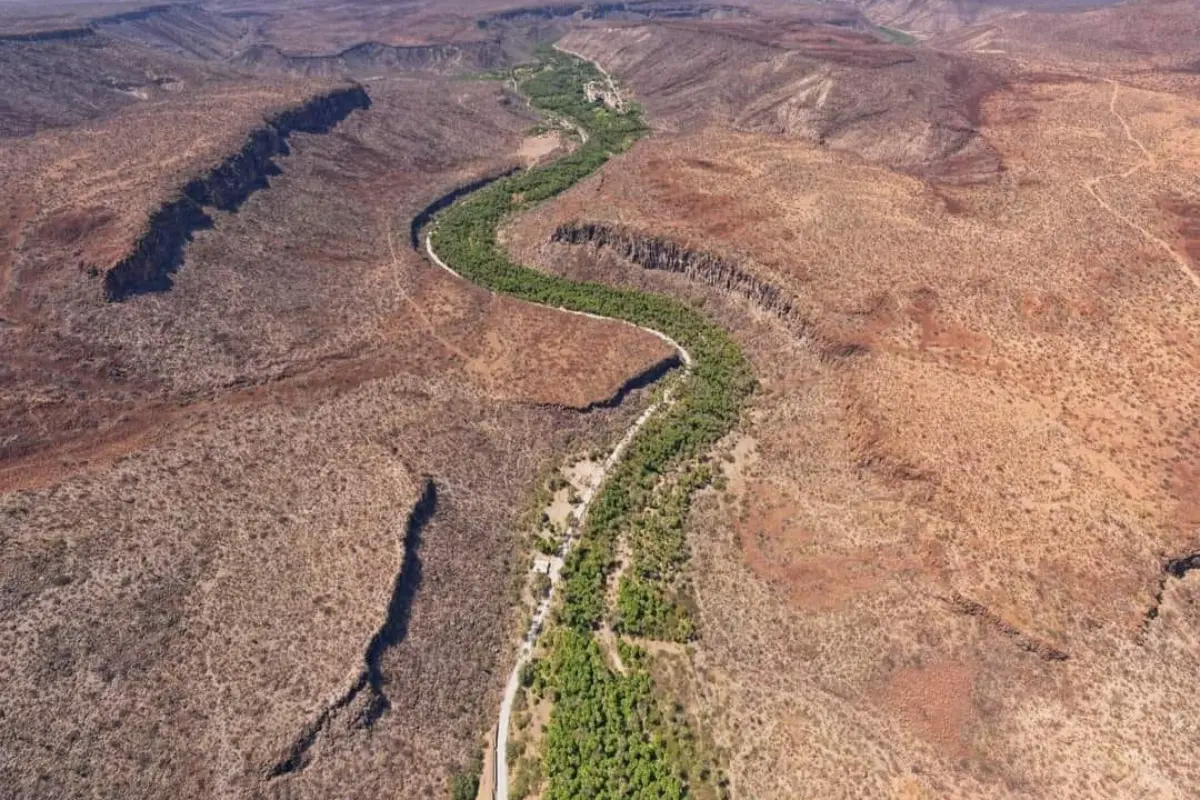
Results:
<point x="646" y="603"/>
<point x="607" y="737"/>
<point x="645" y="609"/>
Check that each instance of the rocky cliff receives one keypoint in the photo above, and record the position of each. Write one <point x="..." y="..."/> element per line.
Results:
<point x="637" y="10"/>
<point x="61" y="35"/>
<point x="159" y="251"/>
<point x="653" y="252"/>
<point x="374" y="56"/>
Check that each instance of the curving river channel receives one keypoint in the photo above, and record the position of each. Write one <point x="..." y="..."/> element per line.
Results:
<point x="667" y="439"/>
<point x="579" y="512"/>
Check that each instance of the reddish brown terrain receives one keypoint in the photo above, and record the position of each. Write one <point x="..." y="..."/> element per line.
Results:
<point x="284" y="454"/>
<point x="261" y="462"/>
<point x="952" y="559"/>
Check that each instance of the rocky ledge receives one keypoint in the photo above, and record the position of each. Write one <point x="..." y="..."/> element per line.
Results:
<point x="159" y="251"/>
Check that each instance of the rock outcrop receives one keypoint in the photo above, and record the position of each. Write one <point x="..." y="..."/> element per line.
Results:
<point x="638" y="10"/>
<point x="657" y="253"/>
<point x="60" y="35"/>
<point x="374" y="56"/>
<point x="652" y="252"/>
<point x="159" y="251"/>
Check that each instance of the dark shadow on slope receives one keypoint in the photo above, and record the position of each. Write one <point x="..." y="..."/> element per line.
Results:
<point x="395" y="624"/>
<point x="646" y="377"/>
<point x="159" y="253"/>
<point x="1178" y="567"/>
<point x="1173" y="568"/>
<point x="389" y="634"/>
<point x="426" y="214"/>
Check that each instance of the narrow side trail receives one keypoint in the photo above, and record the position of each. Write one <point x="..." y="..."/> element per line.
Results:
<point x="1147" y="161"/>
<point x="529" y="641"/>
<point x="416" y="307"/>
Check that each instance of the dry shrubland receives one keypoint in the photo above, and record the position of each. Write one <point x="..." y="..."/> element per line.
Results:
<point x="830" y="86"/>
<point x="943" y="572"/>
<point x="939" y="560"/>
<point x="205" y="490"/>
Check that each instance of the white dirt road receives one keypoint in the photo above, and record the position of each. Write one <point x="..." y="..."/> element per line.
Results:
<point x="525" y="651"/>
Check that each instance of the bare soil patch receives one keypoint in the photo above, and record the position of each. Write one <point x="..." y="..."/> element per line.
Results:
<point x="535" y="148"/>
<point x="935" y="701"/>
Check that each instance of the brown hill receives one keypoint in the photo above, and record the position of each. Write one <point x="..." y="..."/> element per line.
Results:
<point x="846" y="90"/>
<point x="59" y="81"/>
<point x="1146" y="41"/>
<point x="929" y="18"/>
<point x="205" y="560"/>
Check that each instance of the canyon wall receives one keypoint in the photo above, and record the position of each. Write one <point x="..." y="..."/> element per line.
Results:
<point x="709" y="269"/>
<point x="375" y="56"/>
<point x="652" y="252"/>
<point x="159" y="251"/>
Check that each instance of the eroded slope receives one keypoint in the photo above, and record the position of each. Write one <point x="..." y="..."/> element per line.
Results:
<point x="974" y="446"/>
<point x="820" y="83"/>
<point x="206" y="488"/>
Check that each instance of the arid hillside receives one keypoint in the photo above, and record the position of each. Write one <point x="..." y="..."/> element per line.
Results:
<point x="928" y="18"/>
<point x="256" y="533"/>
<point x="1148" y="43"/>
<point x="67" y="77"/>
<point x="952" y="557"/>
<point x="263" y="464"/>
<point x="844" y="89"/>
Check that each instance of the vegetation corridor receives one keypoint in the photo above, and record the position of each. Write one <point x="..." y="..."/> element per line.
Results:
<point x="610" y="734"/>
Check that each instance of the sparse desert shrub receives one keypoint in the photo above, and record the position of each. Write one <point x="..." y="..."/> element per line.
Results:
<point x="526" y="779"/>
<point x="465" y="783"/>
<point x="514" y="750"/>
<point x="528" y="673"/>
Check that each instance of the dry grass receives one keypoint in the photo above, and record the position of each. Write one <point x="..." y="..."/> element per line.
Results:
<point x="995" y="481"/>
<point x="312" y="26"/>
<point x="175" y="620"/>
<point x="205" y="490"/>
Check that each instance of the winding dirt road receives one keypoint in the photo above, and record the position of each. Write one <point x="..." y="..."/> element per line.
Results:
<point x="525" y="651"/>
